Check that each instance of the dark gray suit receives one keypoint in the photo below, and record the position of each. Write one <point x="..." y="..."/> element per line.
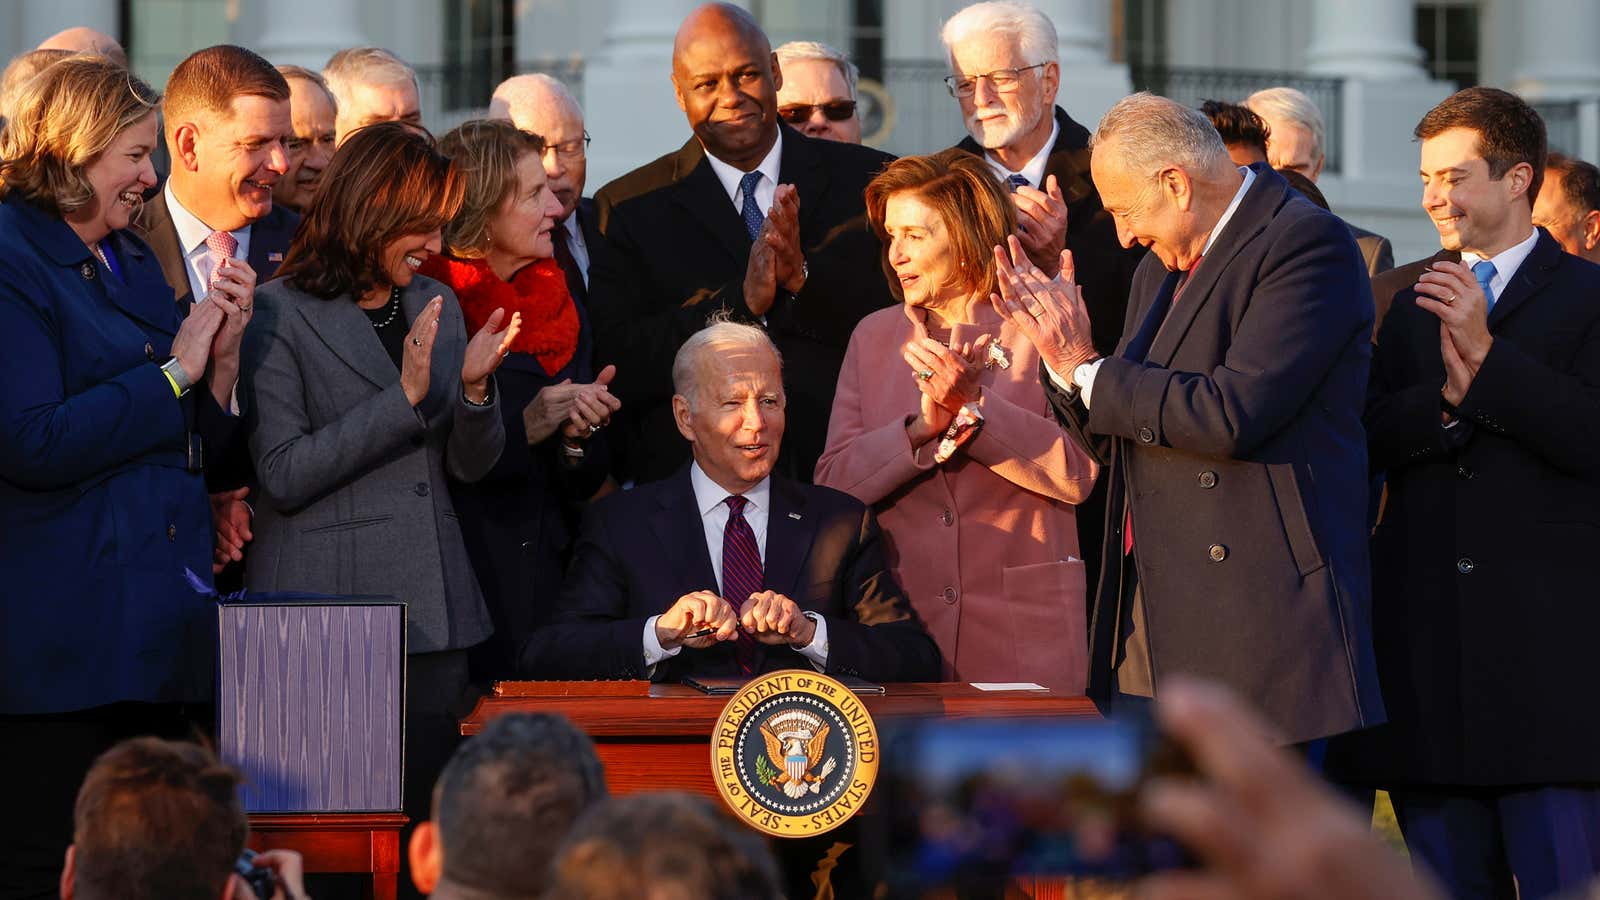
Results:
<point x="352" y="478"/>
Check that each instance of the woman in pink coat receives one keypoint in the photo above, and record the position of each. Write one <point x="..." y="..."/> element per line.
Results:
<point x="941" y="425"/>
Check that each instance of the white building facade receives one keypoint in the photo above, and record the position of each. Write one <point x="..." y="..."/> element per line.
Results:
<point x="1374" y="66"/>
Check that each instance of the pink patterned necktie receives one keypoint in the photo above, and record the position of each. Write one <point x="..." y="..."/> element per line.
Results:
<point x="741" y="575"/>
<point x="222" y="246"/>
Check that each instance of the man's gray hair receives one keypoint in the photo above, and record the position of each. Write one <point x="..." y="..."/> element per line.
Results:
<point x="305" y="74"/>
<point x="519" y="90"/>
<point x="365" y="65"/>
<point x="1153" y="132"/>
<point x="1290" y="105"/>
<point x="722" y="333"/>
<point x="1033" y="31"/>
<point x="796" y="50"/>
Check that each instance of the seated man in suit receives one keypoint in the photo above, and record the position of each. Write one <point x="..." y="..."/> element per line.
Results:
<point x="227" y="114"/>
<point x="803" y="581"/>
<point x="542" y="105"/>
<point x="751" y="217"/>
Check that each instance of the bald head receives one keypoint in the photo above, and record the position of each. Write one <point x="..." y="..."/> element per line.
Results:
<point x="726" y="80"/>
<point x="542" y="105"/>
<point x="720" y="19"/>
<point x="86" y="40"/>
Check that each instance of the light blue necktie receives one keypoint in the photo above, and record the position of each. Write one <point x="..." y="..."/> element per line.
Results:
<point x="1015" y="181"/>
<point x="1485" y="272"/>
<point x="750" y="211"/>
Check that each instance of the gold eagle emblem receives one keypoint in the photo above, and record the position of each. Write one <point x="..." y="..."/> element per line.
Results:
<point x="796" y="741"/>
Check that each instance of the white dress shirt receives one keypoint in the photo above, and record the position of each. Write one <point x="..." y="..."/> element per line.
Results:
<point x="192" y="234"/>
<point x="575" y="243"/>
<point x="1034" y="169"/>
<point x="710" y="499"/>
<point x="1506" y="262"/>
<point x="1084" y="374"/>
<point x="766" y="188"/>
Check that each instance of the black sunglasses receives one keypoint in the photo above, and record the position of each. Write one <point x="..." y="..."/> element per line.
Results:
<point x="837" y="111"/>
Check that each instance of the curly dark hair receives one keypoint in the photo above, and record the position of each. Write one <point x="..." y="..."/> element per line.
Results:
<point x="385" y="181"/>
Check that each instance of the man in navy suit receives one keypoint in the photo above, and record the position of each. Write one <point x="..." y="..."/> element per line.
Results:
<point x="1229" y="423"/>
<point x="725" y="569"/>
<point x="1484" y="415"/>
<point x="227" y="115"/>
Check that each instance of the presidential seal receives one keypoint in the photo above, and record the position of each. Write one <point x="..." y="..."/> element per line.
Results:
<point x="795" y="753"/>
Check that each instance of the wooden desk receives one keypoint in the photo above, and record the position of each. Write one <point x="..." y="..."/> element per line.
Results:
<point x="655" y="737"/>
<point x="362" y="843"/>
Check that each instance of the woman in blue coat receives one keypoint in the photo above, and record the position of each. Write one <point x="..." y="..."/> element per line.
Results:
<point x="102" y="504"/>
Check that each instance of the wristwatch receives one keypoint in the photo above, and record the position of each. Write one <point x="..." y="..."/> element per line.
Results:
<point x="174" y="370"/>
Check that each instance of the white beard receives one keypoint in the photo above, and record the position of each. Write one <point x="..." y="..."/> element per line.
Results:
<point x="997" y="133"/>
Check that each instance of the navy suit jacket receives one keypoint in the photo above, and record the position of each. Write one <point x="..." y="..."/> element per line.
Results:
<point x="1483" y="609"/>
<point x="1237" y="441"/>
<point x="99" y="511"/>
<point x="640" y="550"/>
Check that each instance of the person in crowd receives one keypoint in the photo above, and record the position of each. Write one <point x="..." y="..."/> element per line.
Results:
<point x="310" y="146"/>
<point x="542" y="105"/>
<point x="1243" y="132"/>
<point x="226" y="113"/>
<point x="103" y="391"/>
<point x="662" y="845"/>
<point x="1568" y="205"/>
<point x="726" y="569"/>
<point x="161" y="820"/>
<point x="751" y="217"/>
<point x="1004" y="76"/>
<point x="1260" y="824"/>
<point x="502" y="806"/>
<point x="518" y="520"/>
<point x="1295" y="141"/>
<point x="371" y="85"/>
<point x="818" y="94"/>
<point x="1480" y="562"/>
<point x="81" y="39"/>
<point x="365" y="394"/>
<point x="1230" y="422"/>
<point x="18" y="71"/>
<point x="940" y="425"/>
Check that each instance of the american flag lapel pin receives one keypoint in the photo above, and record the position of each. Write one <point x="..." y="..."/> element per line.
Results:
<point x="795" y="516"/>
<point x="275" y="257"/>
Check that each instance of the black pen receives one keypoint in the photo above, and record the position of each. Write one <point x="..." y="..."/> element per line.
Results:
<point x="699" y="634"/>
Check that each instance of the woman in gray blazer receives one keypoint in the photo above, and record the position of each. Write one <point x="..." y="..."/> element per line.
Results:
<point x="364" y="392"/>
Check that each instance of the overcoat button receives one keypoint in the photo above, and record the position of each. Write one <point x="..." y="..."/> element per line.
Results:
<point x="172" y="532"/>
<point x="87" y="271"/>
<point x="149" y="351"/>
<point x="949" y="595"/>
<point x="421" y="490"/>
<point x="1208" y="480"/>
<point x="1464" y="473"/>
<point x="1146" y="435"/>
<point x="1465" y="566"/>
<point x="947" y="517"/>
<point x="1218" y="553"/>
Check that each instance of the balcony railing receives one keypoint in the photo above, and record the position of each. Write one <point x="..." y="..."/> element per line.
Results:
<point x="1190" y="86"/>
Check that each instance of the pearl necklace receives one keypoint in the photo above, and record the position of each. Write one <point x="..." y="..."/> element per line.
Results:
<point x="100" y="254"/>
<point x="393" y="306"/>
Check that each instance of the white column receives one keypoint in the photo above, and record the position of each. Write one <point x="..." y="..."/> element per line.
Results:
<point x="1370" y="39"/>
<point x="1559" y="38"/>
<point x="1090" y="82"/>
<point x="628" y="102"/>
<point x="42" y="18"/>
<point x="287" y="39"/>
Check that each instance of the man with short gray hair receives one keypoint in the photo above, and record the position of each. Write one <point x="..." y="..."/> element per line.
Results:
<point x="726" y="569"/>
<point x="372" y="85"/>
<point x="818" y="94"/>
<point x="1296" y="141"/>
<point x="1229" y="424"/>
<point x="542" y="105"/>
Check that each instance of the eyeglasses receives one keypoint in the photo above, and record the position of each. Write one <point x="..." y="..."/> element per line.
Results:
<point x="571" y="149"/>
<point x="1004" y="81"/>
<point x="835" y="111"/>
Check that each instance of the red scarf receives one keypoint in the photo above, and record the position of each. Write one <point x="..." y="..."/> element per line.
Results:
<point x="538" y="291"/>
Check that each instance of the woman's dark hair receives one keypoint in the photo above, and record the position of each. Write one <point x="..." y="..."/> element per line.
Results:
<point x="384" y="182"/>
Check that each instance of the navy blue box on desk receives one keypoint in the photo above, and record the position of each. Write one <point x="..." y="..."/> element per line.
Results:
<point x="310" y="704"/>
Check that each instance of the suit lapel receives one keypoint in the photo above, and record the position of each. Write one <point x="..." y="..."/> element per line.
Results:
<point x="155" y="223"/>
<point x="1532" y="275"/>
<point x="789" y="537"/>
<point x="1069" y="160"/>
<point x="682" y="536"/>
<point x="346" y="330"/>
<point x="803" y="168"/>
<point x="702" y="195"/>
<point x="269" y="242"/>
<point x="151" y="308"/>
<point x="1252" y="216"/>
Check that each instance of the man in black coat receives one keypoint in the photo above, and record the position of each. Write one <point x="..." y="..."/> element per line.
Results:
<point x="1005" y="76"/>
<point x="1229" y="423"/>
<point x="726" y="568"/>
<point x="1484" y="615"/>
<point x="751" y="217"/>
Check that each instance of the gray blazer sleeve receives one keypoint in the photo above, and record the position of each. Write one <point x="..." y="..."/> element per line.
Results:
<point x="477" y="437"/>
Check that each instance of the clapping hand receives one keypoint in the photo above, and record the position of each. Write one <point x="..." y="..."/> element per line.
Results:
<point x="485" y="352"/>
<point x="1042" y="223"/>
<point x="230" y="516"/>
<point x="1048" y="311"/>
<point x="1451" y="291"/>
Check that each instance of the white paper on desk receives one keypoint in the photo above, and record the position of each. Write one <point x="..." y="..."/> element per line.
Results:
<point x="1007" y="686"/>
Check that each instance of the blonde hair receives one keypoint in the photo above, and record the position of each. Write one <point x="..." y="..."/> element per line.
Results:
<point x="64" y="118"/>
<point x="486" y="152"/>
